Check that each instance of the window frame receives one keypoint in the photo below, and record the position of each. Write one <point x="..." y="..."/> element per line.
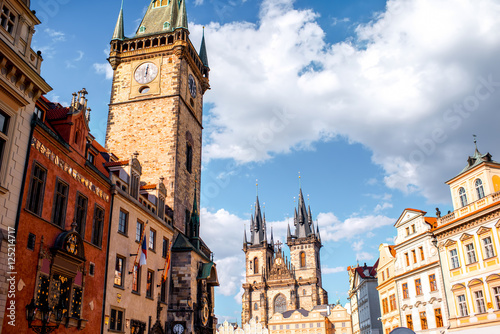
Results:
<point x="418" y="287"/>
<point x="409" y="321"/>
<point x="433" y="282"/>
<point x="469" y="252"/>
<point x="438" y="315"/>
<point x="125" y="222"/>
<point x="152" y="240"/>
<point x="141" y="224"/>
<point x="488" y="247"/>
<point x="392" y="302"/>
<point x="406" y="293"/>
<point x="496" y="296"/>
<point x="84" y="217"/>
<point x="424" y="324"/>
<point x="150" y="281"/>
<point x="165" y="247"/>
<point x="302" y="258"/>
<point x="100" y="229"/>
<point x="462" y="305"/>
<point x="454" y="259"/>
<point x="136" y="279"/>
<point x="4" y="140"/>
<point x="29" y="200"/>
<point x="59" y="214"/>
<point x="121" y="271"/>
<point x="11" y="17"/>
<point x="422" y="255"/>
<point x="462" y="195"/>
<point x="116" y="312"/>
<point x="480" y="303"/>
<point x="385" y="306"/>
<point x="479" y="188"/>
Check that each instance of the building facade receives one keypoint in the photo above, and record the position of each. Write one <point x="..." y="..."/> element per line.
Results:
<point x="253" y="327"/>
<point x="63" y="228"/>
<point x="387" y="289"/>
<point x="418" y="274"/>
<point x="275" y="284"/>
<point x="469" y="241"/>
<point x="21" y="86"/>
<point x="135" y="293"/>
<point x="363" y="296"/>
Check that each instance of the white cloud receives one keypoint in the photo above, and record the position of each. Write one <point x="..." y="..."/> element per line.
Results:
<point x="57" y="36"/>
<point x="407" y="87"/>
<point x="336" y="20"/>
<point x="364" y="256"/>
<point x="382" y="207"/>
<point x="198" y="2"/>
<point x="105" y="69"/>
<point x="326" y="270"/>
<point x="357" y="245"/>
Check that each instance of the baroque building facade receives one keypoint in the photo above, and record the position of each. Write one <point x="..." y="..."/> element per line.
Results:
<point x="469" y="241"/>
<point x="275" y="284"/>
<point x="387" y="289"/>
<point x="419" y="279"/>
<point x="20" y="87"/>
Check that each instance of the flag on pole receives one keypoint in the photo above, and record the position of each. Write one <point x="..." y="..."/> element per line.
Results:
<point x="144" y="251"/>
<point x="166" y="268"/>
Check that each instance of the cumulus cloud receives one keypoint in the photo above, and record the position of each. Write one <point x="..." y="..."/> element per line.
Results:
<point x="326" y="270"/>
<point x="105" y="69"/>
<point x="413" y="85"/>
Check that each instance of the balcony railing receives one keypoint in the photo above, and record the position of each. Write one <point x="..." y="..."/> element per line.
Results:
<point x="468" y="209"/>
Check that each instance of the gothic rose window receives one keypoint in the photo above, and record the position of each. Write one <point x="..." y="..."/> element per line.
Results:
<point x="280" y="304"/>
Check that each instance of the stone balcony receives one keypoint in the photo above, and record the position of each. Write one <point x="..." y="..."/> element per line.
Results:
<point x="469" y="209"/>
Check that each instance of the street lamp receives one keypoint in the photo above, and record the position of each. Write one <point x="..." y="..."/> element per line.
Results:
<point x="46" y="312"/>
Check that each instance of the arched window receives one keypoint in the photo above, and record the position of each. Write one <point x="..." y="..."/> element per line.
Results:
<point x="280" y="304"/>
<point x="189" y="157"/>
<point x="256" y="266"/>
<point x="463" y="196"/>
<point x="479" y="189"/>
<point x="302" y="259"/>
<point x="255" y="306"/>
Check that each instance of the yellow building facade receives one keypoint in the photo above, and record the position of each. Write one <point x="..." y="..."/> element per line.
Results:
<point x="469" y="241"/>
<point x="387" y="289"/>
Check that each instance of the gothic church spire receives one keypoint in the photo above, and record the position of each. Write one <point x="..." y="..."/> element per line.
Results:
<point x="119" y="30"/>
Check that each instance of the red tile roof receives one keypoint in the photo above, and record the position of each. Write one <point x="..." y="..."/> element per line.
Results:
<point x="116" y="163"/>
<point x="57" y="113"/>
<point x="148" y="187"/>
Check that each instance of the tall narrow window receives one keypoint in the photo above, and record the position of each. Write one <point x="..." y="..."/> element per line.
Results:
<point x="481" y="308"/>
<point x="423" y="321"/>
<point x="152" y="239"/>
<point x="496" y="293"/>
<point x="81" y="214"/>
<point x="422" y="257"/>
<point x="138" y="231"/>
<point x="471" y="253"/>
<point x="189" y="157"/>
<point x="4" y="126"/>
<point x="463" y="196"/>
<point x="488" y="248"/>
<point x="149" y="284"/>
<point x="413" y="230"/>
<point x="123" y="222"/>
<point x="439" y="317"/>
<point x="119" y="265"/>
<point x="479" y="189"/>
<point x="409" y="321"/>
<point x="454" y="259"/>
<point x="392" y="302"/>
<point x="462" y="306"/>
<point x="98" y="226"/>
<point x="418" y="287"/>
<point x="256" y="266"/>
<point x="164" y="251"/>
<point x="302" y="260"/>
<point x="60" y="201"/>
<point x="405" y="291"/>
<point x="407" y="259"/>
<point x="385" y="306"/>
<point x="432" y="282"/>
<point x="163" y="292"/>
<point x="37" y="188"/>
<point x="136" y="278"/>
<point x="414" y="254"/>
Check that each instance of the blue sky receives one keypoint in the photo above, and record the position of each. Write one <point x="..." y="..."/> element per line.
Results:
<point x="374" y="103"/>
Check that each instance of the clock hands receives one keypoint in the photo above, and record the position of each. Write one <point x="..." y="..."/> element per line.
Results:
<point x="147" y="68"/>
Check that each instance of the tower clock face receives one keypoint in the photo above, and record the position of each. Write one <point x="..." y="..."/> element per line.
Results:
<point x="178" y="329"/>
<point x="192" y="86"/>
<point x="146" y="73"/>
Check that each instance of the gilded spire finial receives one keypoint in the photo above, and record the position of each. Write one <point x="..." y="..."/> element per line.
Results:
<point x="475" y="141"/>
<point x="257" y="186"/>
<point x="300" y="181"/>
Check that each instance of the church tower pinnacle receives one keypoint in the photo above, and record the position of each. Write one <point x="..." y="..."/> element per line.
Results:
<point x="119" y="34"/>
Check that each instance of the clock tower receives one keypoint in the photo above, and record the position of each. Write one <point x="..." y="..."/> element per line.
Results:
<point x="156" y="102"/>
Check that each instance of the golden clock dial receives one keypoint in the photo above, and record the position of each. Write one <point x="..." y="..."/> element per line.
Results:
<point x="146" y="73"/>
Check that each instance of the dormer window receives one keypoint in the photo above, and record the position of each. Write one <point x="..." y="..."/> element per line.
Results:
<point x="166" y="25"/>
<point x="463" y="196"/>
<point x="142" y="29"/>
<point x="91" y="158"/>
<point x="479" y="189"/>
<point x="7" y="20"/>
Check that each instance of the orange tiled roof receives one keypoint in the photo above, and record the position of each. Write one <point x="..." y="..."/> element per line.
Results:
<point x="116" y="163"/>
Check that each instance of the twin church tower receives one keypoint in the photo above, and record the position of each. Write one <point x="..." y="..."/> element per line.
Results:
<point x="273" y="283"/>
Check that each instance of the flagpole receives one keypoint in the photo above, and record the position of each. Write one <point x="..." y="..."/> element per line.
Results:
<point x="140" y="243"/>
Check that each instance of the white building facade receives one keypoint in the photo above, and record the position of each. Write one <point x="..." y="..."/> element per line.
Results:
<point x="419" y="281"/>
